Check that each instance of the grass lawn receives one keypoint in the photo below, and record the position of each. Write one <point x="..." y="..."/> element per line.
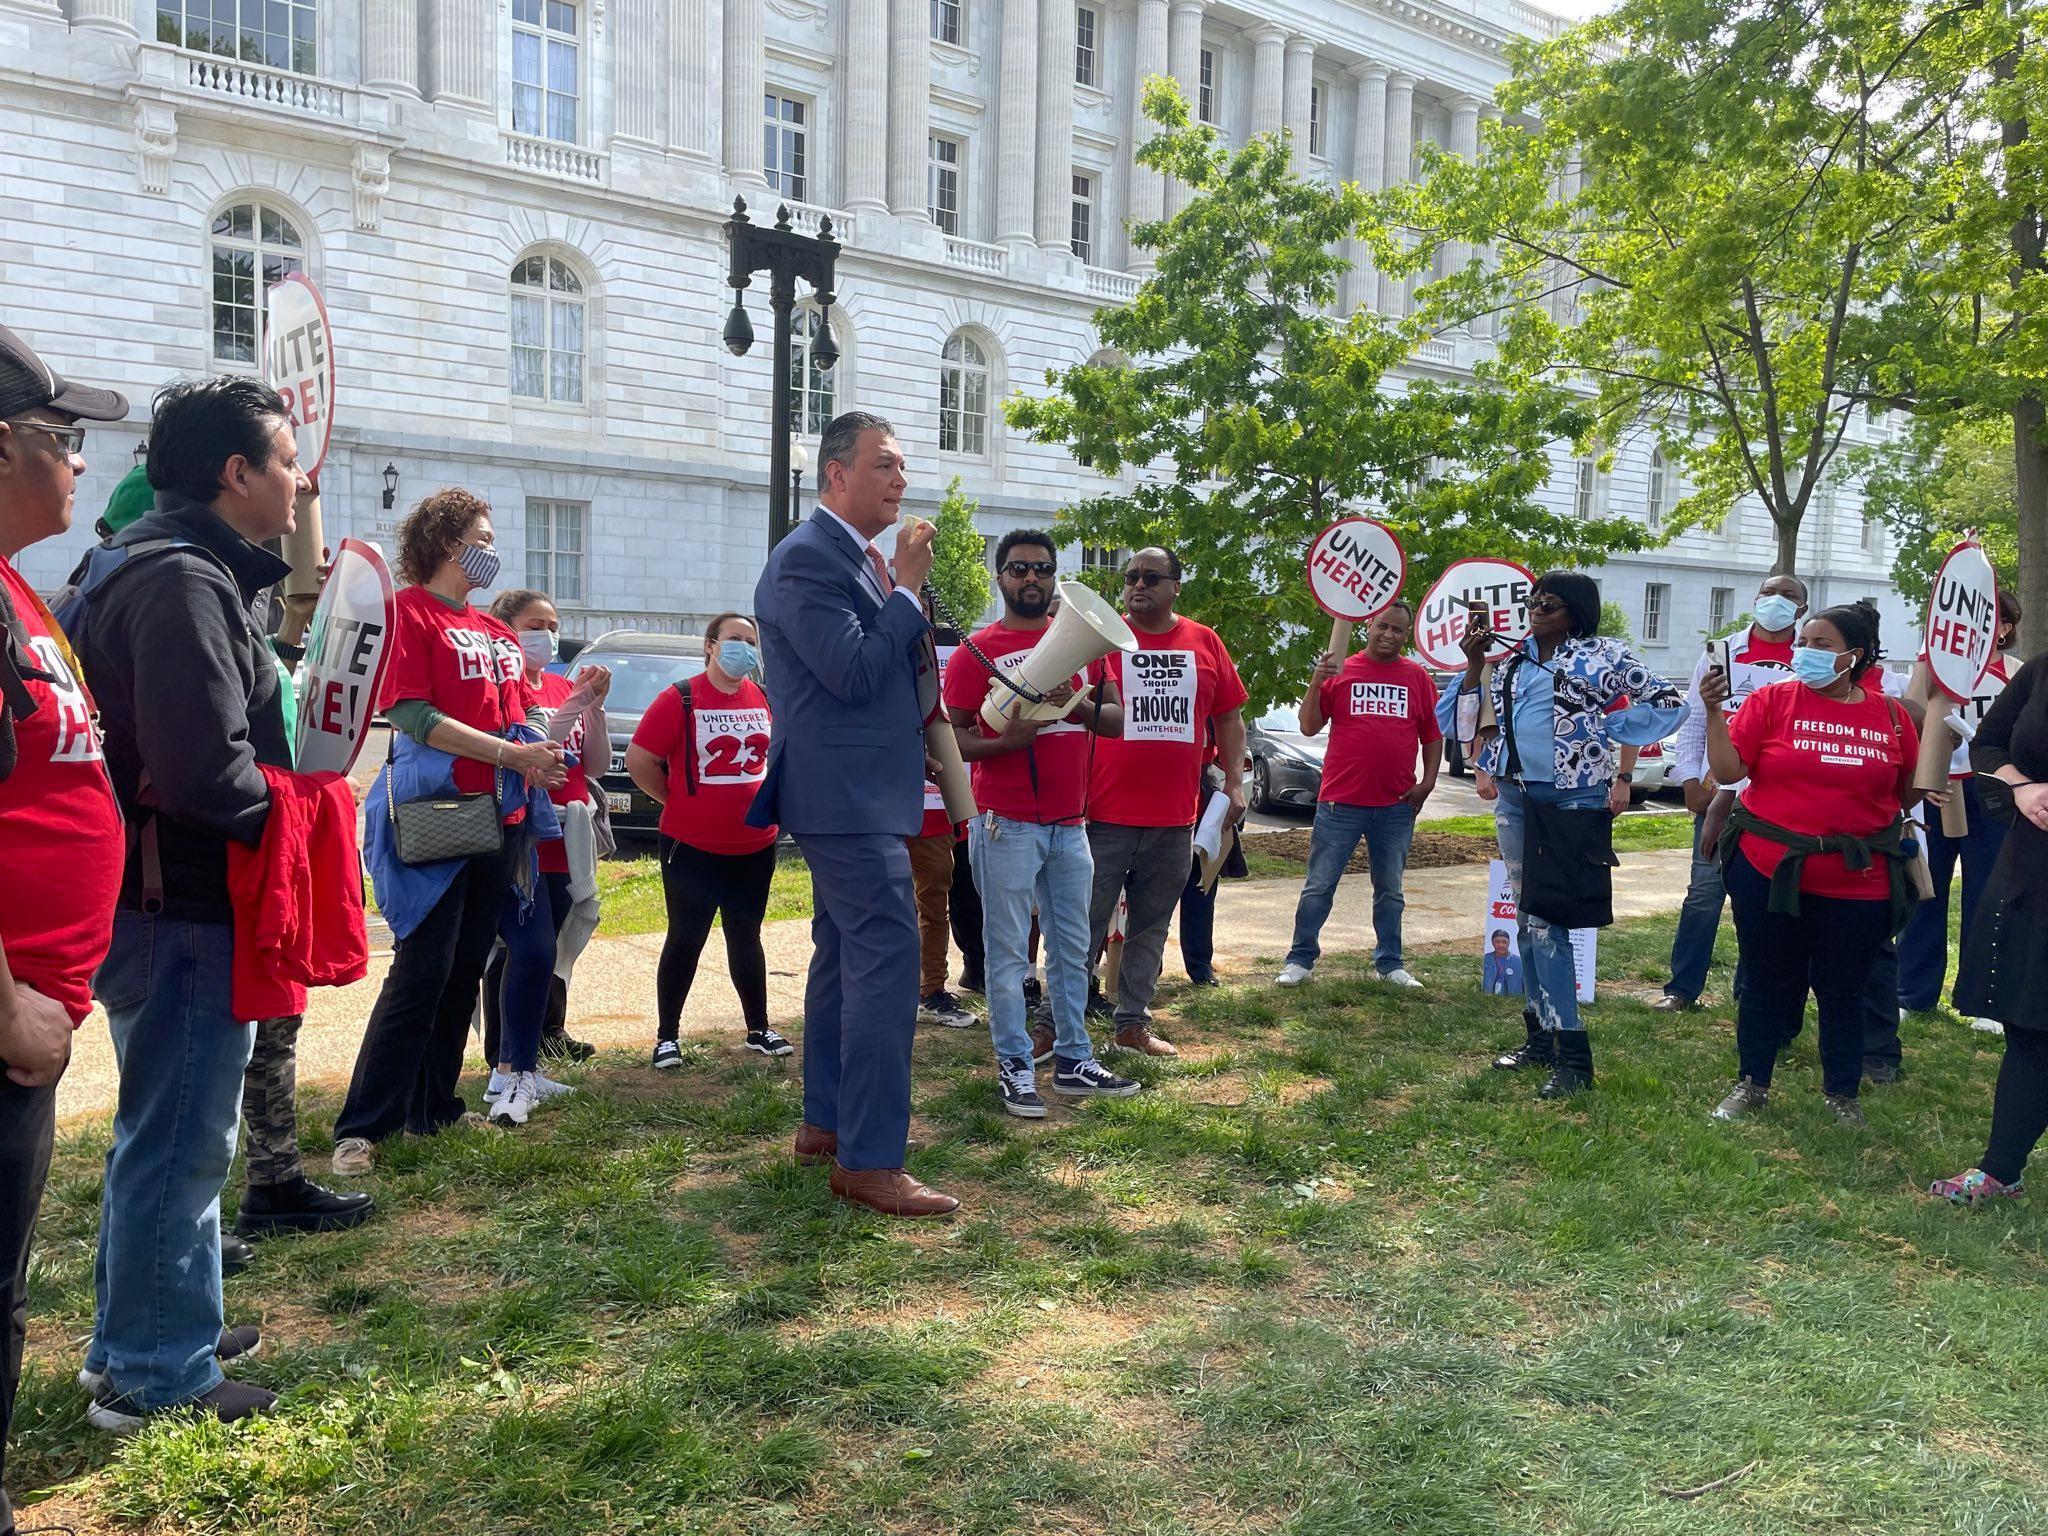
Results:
<point x="1326" y="1275"/>
<point x="1632" y="834"/>
<point x="632" y="892"/>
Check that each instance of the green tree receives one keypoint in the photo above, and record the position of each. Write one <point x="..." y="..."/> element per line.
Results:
<point x="959" y="559"/>
<point x="1250" y="417"/>
<point x="1741" y="223"/>
<point x="1941" y="480"/>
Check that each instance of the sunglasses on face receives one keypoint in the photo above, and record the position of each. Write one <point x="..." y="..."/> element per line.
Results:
<point x="1546" y="605"/>
<point x="1030" y="568"/>
<point x="1145" y="578"/>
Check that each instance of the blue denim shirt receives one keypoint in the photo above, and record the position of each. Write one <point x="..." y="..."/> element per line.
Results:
<point x="1583" y="676"/>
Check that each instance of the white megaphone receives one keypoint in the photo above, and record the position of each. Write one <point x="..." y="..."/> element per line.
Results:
<point x="1084" y="628"/>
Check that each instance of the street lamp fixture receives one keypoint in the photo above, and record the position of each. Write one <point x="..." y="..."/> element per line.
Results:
<point x="799" y="461"/>
<point x="142" y="451"/>
<point x="785" y="255"/>
<point x="390" y="486"/>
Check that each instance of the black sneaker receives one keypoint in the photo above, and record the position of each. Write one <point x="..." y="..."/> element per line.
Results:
<point x="565" y="1048"/>
<point x="769" y="1043"/>
<point x="1099" y="1007"/>
<point x="667" y="1056"/>
<point x="1089" y="1079"/>
<point x="972" y="981"/>
<point x="228" y="1402"/>
<point x="233" y="1344"/>
<point x="235" y="1255"/>
<point x="943" y="1008"/>
<point x="300" y="1206"/>
<point x="1882" y="1073"/>
<point x="1020" y="1092"/>
<point x="1847" y="1110"/>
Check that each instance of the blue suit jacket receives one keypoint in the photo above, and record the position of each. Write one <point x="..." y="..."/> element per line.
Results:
<point x="846" y="751"/>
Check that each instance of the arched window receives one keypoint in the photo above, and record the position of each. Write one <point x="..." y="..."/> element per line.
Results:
<point x="810" y="387"/>
<point x="1663" y="489"/>
<point x="547" y="330"/>
<point x="963" y="397"/>
<point x="253" y="245"/>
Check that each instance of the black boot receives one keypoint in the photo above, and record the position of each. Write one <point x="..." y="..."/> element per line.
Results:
<point x="1574" y="1069"/>
<point x="300" y="1206"/>
<point x="1538" y="1050"/>
<point x="235" y="1254"/>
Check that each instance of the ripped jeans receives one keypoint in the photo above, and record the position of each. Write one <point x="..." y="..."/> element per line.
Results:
<point x="1552" y="976"/>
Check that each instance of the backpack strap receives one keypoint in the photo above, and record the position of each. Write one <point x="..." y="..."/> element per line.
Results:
<point x="689" y="742"/>
<point x="16" y="672"/>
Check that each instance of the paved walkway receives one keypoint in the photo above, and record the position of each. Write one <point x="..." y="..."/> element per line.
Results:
<point x="613" y="998"/>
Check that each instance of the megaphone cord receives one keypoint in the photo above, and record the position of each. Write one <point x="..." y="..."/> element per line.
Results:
<point x="1023" y="691"/>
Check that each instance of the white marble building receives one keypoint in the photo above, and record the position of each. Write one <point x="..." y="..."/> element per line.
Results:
<point x="513" y="208"/>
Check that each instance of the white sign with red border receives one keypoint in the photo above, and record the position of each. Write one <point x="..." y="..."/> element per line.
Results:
<point x="1961" y="637"/>
<point x="298" y="362"/>
<point x="1499" y="587"/>
<point x="1355" y="568"/>
<point x="348" y="651"/>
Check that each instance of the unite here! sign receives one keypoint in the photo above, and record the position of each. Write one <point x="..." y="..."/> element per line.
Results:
<point x="1498" y="587"/>
<point x="348" y="649"/>
<point x="299" y="364"/>
<point x="1355" y="568"/>
<point x="1962" y="621"/>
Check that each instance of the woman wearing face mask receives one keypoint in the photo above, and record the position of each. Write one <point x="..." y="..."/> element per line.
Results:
<point x="1816" y="853"/>
<point x="509" y="987"/>
<point x="457" y="684"/>
<point x="700" y="752"/>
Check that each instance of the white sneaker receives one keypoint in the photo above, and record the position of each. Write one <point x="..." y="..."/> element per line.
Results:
<point x="516" y="1105"/>
<point x="1987" y="1026"/>
<point x="353" y="1157"/>
<point x="499" y="1085"/>
<point x="1398" y="977"/>
<point x="546" y="1088"/>
<point x="1291" y="975"/>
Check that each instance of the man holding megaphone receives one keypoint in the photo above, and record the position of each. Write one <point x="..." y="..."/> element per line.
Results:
<point x="1024" y="727"/>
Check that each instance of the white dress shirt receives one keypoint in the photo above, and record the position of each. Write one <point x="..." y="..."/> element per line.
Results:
<point x="867" y="568"/>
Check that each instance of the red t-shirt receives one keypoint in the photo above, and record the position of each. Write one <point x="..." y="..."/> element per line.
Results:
<point x="464" y="663"/>
<point x="936" y="823"/>
<point x="1173" y="686"/>
<point x="725" y="759"/>
<point x="1381" y="713"/>
<point x="552" y="690"/>
<point x="61" y="844"/>
<point x="1815" y="767"/>
<point x="1058" y="756"/>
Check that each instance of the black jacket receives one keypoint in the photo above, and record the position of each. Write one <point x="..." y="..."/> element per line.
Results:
<point x="188" y="691"/>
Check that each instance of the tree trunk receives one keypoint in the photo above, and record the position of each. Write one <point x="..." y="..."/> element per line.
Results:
<point x="2030" y="502"/>
<point x="1786" y="562"/>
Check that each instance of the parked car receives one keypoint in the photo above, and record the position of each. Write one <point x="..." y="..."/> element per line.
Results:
<point x="1455" y="763"/>
<point x="1287" y="767"/>
<point x="641" y="664"/>
<point x="1653" y="769"/>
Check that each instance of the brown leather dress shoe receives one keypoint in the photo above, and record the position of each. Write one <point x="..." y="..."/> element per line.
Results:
<point x="890" y="1191"/>
<point x="815" y="1147"/>
<point x="1136" y="1037"/>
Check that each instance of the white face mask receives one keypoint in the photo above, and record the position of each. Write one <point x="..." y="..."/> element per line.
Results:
<point x="539" y="644"/>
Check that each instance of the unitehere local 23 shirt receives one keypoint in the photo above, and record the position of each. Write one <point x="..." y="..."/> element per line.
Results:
<point x="1173" y="686"/>
<point x="1381" y="713"/>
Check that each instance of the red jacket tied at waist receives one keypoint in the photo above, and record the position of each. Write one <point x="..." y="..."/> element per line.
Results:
<point x="298" y="898"/>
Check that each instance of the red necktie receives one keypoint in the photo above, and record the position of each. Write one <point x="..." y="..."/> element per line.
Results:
<point x="882" y="580"/>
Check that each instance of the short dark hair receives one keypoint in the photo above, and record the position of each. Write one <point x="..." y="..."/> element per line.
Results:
<point x="507" y="606"/>
<point x="1016" y="536"/>
<point x="1580" y="595"/>
<point x="1401" y="603"/>
<point x="711" y="630"/>
<point x="1797" y="581"/>
<point x="842" y="435"/>
<point x="1856" y="623"/>
<point x="197" y="425"/>
<point x="1172" y="559"/>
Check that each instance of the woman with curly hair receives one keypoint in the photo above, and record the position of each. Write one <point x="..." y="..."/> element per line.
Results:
<point x="456" y="685"/>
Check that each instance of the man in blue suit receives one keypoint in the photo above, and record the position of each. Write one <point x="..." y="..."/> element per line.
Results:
<point x="851" y="678"/>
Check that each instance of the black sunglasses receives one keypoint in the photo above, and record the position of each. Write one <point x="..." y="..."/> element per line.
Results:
<point x="1547" y="605"/>
<point x="1145" y="578"/>
<point x="1030" y="567"/>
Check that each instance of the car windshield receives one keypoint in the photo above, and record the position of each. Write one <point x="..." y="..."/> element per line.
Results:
<point x="1286" y="721"/>
<point x="637" y="677"/>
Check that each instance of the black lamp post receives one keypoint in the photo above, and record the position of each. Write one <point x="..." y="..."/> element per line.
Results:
<point x="390" y="485"/>
<point x="786" y="256"/>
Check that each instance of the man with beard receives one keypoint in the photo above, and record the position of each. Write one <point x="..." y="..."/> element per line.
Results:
<point x="1178" y="685"/>
<point x="1030" y="844"/>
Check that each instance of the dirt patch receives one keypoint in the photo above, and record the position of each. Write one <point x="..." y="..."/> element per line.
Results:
<point x="1430" y="850"/>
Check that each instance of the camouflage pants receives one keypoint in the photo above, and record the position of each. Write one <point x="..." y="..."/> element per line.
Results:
<point x="270" y="1102"/>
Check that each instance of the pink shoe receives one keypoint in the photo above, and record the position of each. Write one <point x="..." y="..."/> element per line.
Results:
<point x="1974" y="1188"/>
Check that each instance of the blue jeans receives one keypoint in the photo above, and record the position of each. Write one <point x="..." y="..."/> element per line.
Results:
<point x="1388" y="831"/>
<point x="181" y="1054"/>
<point x="1699" y="923"/>
<point x="1550" y="976"/>
<point x="1018" y="864"/>
<point x="1923" y="947"/>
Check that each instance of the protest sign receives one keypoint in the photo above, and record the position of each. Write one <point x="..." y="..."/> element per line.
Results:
<point x="1962" y="621"/>
<point x="1501" y="969"/>
<point x="1355" y="568"/>
<point x="348" y="649"/>
<point x="298" y="362"/>
<point x="1499" y="587"/>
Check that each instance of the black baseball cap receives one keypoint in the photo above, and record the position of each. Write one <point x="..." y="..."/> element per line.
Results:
<point x="27" y="382"/>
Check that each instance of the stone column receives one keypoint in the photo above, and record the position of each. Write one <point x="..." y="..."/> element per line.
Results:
<point x="692" y="88"/>
<point x="1484" y="325"/>
<point x="910" y="105"/>
<point x="391" y="45"/>
<point x="104" y="15"/>
<point x="1300" y="78"/>
<point x="1465" y="145"/>
<point x="867" y="105"/>
<point x="1148" y="187"/>
<point x="745" y="71"/>
<point x="1055" y="201"/>
<point x="1184" y="59"/>
<point x="634" y="31"/>
<point x="1400" y="142"/>
<point x="1369" y="170"/>
<point x="1017" y="134"/>
<point x="461" y="65"/>
<point x="1269" y="76"/>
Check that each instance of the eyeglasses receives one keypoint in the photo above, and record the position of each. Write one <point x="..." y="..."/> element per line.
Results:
<point x="72" y="438"/>
<point x="1145" y="578"/>
<point x="1030" y="567"/>
<point x="1547" y="605"/>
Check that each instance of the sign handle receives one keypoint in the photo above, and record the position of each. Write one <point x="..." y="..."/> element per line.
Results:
<point x="301" y="548"/>
<point x="1340" y="638"/>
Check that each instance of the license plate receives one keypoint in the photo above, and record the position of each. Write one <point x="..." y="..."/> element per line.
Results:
<point x="618" y="804"/>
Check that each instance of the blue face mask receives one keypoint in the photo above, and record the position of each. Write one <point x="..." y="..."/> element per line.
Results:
<point x="737" y="658"/>
<point x="1816" y="668"/>
<point x="1774" y="612"/>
